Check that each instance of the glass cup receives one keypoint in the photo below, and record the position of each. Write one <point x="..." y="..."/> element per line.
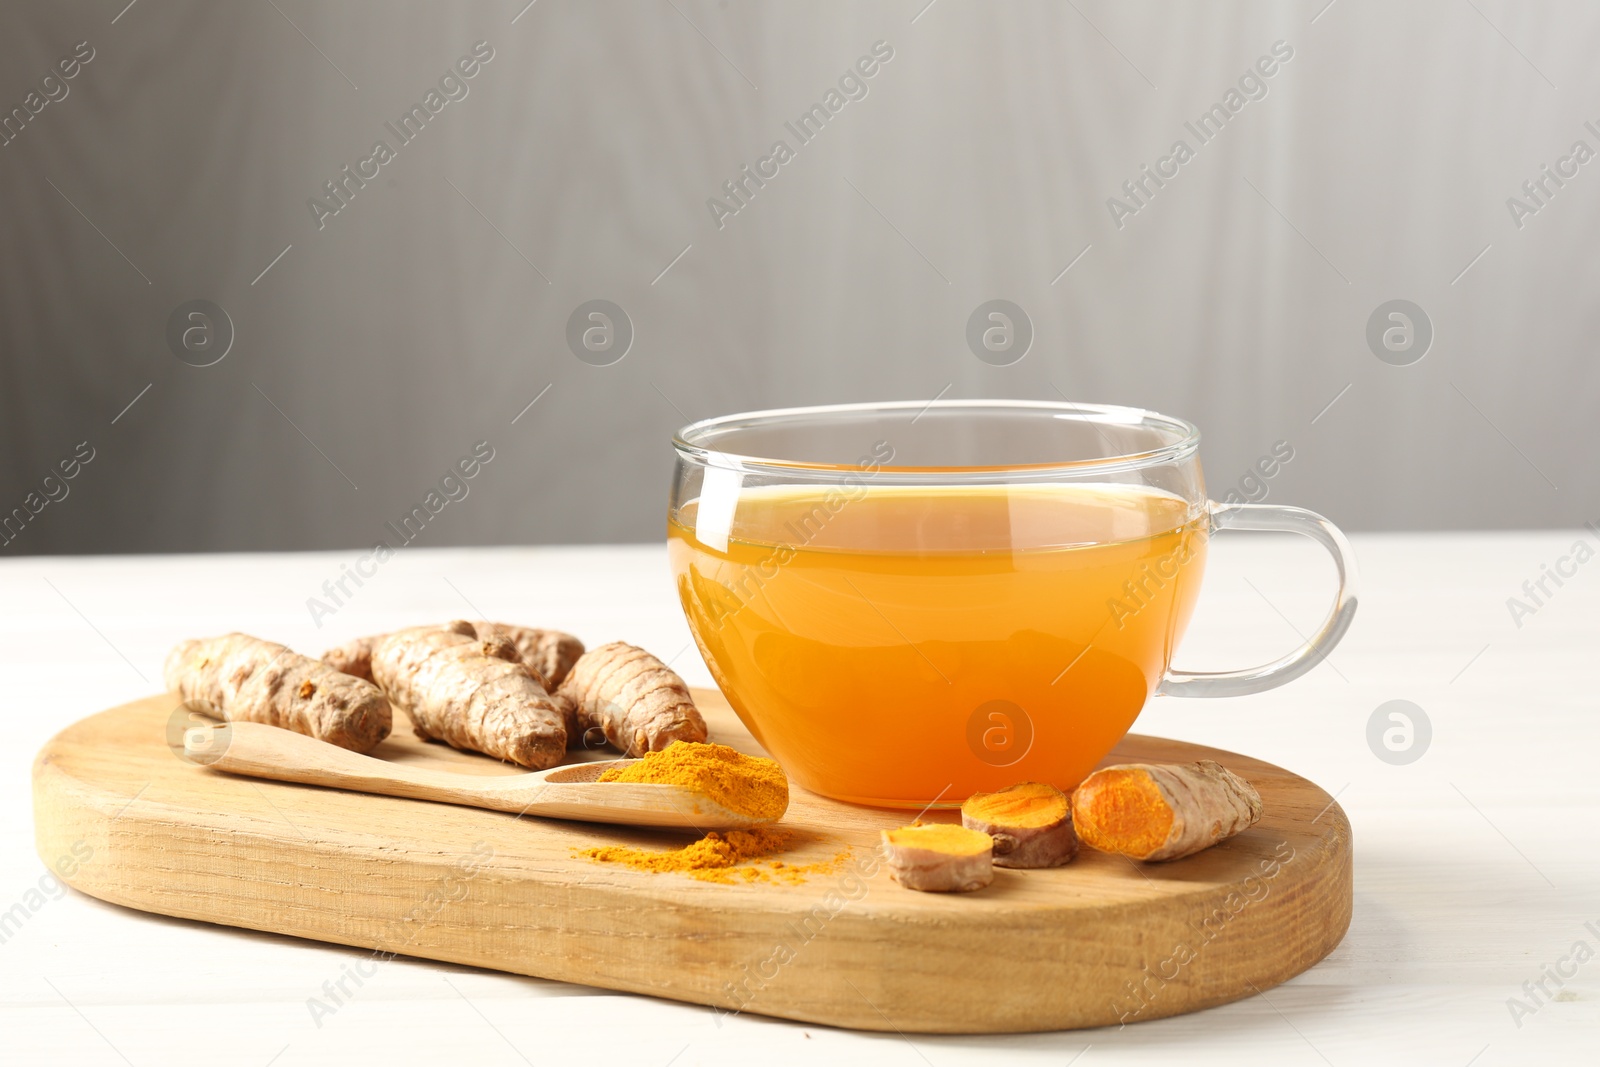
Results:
<point x="910" y="602"/>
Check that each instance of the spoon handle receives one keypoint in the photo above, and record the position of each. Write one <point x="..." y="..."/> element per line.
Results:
<point x="262" y="751"/>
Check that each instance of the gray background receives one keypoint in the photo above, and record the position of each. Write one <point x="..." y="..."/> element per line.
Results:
<point x="429" y="312"/>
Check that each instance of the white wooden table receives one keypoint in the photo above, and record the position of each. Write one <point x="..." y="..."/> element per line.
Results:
<point x="1476" y="865"/>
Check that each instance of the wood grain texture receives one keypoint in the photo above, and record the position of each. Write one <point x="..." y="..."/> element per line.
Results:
<point x="1094" y="943"/>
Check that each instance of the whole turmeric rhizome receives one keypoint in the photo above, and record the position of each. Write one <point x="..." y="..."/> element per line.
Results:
<point x="525" y="695"/>
<point x="514" y="692"/>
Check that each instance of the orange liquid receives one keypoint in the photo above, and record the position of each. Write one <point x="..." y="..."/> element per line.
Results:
<point x="895" y="645"/>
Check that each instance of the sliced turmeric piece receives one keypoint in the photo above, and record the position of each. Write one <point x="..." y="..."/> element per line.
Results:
<point x="939" y="857"/>
<point x="1031" y="824"/>
<point x="1163" y="811"/>
<point x="638" y="701"/>
<point x="245" y="679"/>
<point x="471" y="694"/>
<point x="549" y="652"/>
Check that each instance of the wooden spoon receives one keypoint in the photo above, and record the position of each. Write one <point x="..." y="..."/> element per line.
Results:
<point x="569" y="792"/>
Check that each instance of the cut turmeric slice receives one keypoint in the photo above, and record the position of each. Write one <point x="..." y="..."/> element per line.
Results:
<point x="471" y="694"/>
<point x="1163" y="811"/>
<point x="241" y="678"/>
<point x="1031" y="824"/>
<point x="939" y="857"/>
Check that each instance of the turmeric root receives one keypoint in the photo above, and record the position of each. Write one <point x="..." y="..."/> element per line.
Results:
<point x="241" y="678"/>
<point x="1163" y="811"/>
<point x="939" y="857"/>
<point x="354" y="657"/>
<point x="549" y="652"/>
<point x="1031" y="824"/>
<point x="471" y="694"/>
<point x="640" y="704"/>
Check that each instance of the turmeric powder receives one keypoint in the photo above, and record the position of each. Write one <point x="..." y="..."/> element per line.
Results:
<point x="717" y="857"/>
<point x="717" y="851"/>
<point x="747" y="785"/>
<point x="1158" y="811"/>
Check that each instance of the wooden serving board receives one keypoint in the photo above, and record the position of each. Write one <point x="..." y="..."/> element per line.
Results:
<point x="1097" y="942"/>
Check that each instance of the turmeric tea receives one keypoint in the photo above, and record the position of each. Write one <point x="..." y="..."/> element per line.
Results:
<point x="746" y="785"/>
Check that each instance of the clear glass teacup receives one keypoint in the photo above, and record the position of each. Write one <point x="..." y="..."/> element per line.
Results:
<point x="910" y="602"/>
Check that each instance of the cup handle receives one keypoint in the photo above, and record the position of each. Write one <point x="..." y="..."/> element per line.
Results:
<point x="1286" y="519"/>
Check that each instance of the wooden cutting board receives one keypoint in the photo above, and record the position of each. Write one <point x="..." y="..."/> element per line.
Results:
<point x="1098" y="942"/>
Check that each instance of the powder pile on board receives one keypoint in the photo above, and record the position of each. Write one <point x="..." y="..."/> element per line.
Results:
<point x="722" y="856"/>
